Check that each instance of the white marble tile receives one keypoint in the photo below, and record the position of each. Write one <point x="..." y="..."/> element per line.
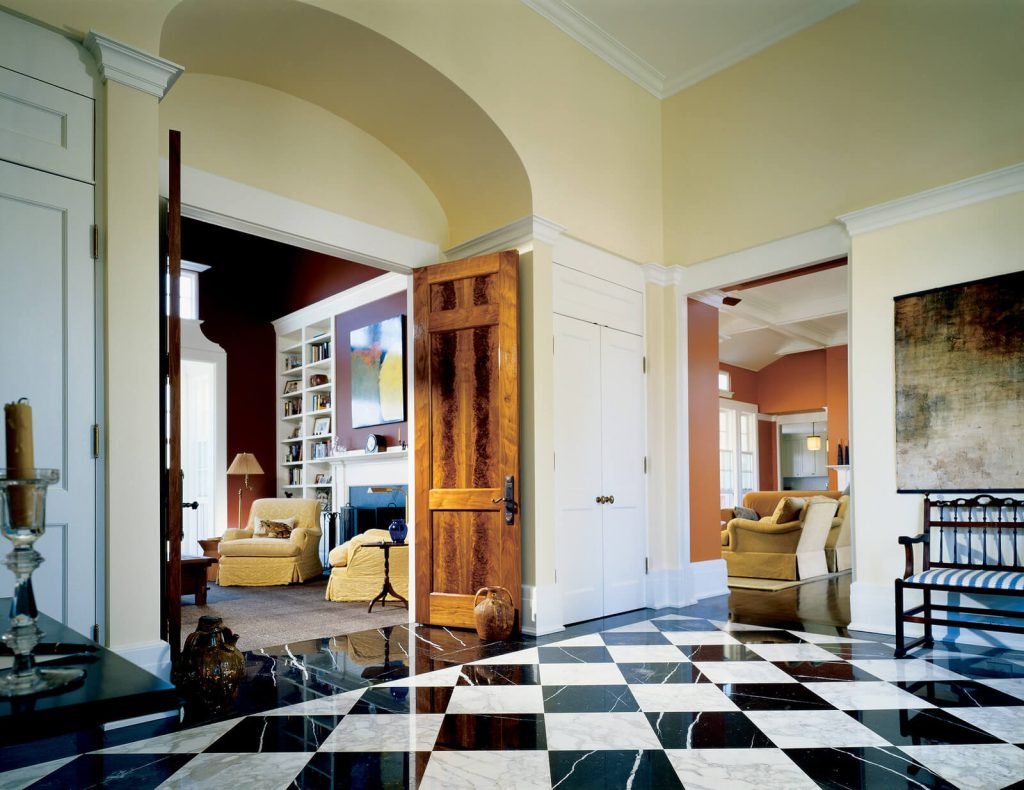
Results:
<point x="221" y="771"/>
<point x="812" y="729"/>
<point x="1012" y="686"/>
<point x="904" y="669"/>
<point x="497" y="699"/>
<point x="482" y="770"/>
<point x="680" y="697"/>
<point x="700" y="638"/>
<point x="743" y="672"/>
<point x="790" y="651"/>
<point x="642" y="654"/>
<point x="587" y="640"/>
<point x="824" y="639"/>
<point x="978" y="766"/>
<point x="20" y="778"/>
<point x="439" y="678"/>
<point x="727" y="626"/>
<point x="385" y="733"/>
<point x="665" y="617"/>
<point x="866" y="695"/>
<point x="190" y="741"/>
<point x="335" y="705"/>
<point x="737" y="769"/>
<point x="528" y="656"/>
<point x="583" y="731"/>
<point x="581" y="675"/>
<point x="646" y="625"/>
<point x="1003" y="722"/>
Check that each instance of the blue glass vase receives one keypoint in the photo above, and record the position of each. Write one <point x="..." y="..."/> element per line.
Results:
<point x="398" y="530"/>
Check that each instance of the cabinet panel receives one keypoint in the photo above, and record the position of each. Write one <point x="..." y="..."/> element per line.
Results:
<point x="597" y="301"/>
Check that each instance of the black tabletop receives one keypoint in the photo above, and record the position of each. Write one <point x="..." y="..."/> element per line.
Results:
<point x="113" y="687"/>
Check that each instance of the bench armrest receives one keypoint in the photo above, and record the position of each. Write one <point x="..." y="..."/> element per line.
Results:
<point x="907" y="542"/>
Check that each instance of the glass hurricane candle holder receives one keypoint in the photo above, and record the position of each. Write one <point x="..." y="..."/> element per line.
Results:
<point x="23" y="522"/>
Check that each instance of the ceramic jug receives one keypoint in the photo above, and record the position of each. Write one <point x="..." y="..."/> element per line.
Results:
<point x="495" y="614"/>
<point x="211" y="667"/>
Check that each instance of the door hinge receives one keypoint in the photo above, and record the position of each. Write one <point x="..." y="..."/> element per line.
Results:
<point x="647" y="567"/>
<point x="95" y="632"/>
<point x="645" y="364"/>
<point x="645" y="464"/>
<point x="96" y="440"/>
<point x="554" y="460"/>
<point x="94" y="240"/>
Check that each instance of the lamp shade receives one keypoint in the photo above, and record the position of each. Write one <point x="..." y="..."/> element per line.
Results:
<point x="245" y="464"/>
<point x="814" y="440"/>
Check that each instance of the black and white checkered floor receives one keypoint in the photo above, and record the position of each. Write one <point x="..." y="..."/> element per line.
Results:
<point x="670" y="701"/>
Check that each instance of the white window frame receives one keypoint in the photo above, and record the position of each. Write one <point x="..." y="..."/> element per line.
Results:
<point x="736" y="409"/>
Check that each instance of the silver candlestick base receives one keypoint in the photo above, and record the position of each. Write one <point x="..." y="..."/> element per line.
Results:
<point x="23" y="521"/>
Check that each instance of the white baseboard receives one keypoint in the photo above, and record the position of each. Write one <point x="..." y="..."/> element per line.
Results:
<point x="873" y="607"/>
<point x="678" y="587"/>
<point x="542" y="610"/>
<point x="154" y="657"/>
<point x="710" y="579"/>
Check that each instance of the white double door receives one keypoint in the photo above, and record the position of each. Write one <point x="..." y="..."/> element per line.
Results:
<point x="599" y="469"/>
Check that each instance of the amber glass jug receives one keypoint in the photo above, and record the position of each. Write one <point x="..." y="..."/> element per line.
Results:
<point x="211" y="667"/>
<point x="495" y="614"/>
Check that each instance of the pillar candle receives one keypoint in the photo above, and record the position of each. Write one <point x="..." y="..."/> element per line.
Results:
<point x="20" y="458"/>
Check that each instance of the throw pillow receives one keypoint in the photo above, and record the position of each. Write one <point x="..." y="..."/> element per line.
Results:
<point x="745" y="512"/>
<point x="278" y="529"/>
<point x="787" y="510"/>
<point x="260" y="528"/>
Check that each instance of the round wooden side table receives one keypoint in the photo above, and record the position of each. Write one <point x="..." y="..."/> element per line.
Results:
<point x="211" y="548"/>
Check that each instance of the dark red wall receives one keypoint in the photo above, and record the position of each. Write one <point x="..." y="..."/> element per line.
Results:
<point x="702" y="365"/>
<point x="355" y="438"/>
<point x="251" y="282"/>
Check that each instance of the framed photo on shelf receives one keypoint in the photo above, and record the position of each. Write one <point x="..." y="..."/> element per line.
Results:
<point x="296" y="432"/>
<point x="321" y="426"/>
<point x="319" y="479"/>
<point x="290" y="386"/>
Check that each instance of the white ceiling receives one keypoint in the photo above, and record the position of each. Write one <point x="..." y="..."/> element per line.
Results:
<point x="799" y="314"/>
<point x="668" y="45"/>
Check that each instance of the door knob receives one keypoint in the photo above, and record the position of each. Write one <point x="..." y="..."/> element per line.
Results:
<point x="599" y="500"/>
<point x="610" y="499"/>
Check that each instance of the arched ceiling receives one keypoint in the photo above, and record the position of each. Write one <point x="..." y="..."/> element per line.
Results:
<point x="371" y="82"/>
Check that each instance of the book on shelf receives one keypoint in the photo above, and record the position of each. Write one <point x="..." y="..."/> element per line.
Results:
<point x="320" y="351"/>
<point x="292" y="361"/>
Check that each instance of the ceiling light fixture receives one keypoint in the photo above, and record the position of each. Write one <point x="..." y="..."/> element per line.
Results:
<point x="814" y="440"/>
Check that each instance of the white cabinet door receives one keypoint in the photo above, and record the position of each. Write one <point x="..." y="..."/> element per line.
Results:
<point x="47" y="355"/>
<point x="578" y="532"/>
<point x="622" y="452"/>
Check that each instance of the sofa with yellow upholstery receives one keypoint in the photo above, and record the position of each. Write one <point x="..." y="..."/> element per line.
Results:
<point x="767" y="548"/>
<point x="248" y="559"/>
<point x="357" y="572"/>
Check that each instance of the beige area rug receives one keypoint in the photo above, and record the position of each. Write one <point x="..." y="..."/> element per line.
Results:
<point x="268" y="616"/>
<point x="774" y="585"/>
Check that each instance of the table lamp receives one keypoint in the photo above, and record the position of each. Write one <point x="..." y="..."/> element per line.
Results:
<point x="244" y="464"/>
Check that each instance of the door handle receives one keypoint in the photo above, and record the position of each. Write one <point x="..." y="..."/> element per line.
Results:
<point x="605" y="500"/>
<point x="188" y="505"/>
<point x="599" y="500"/>
<point x="509" y="499"/>
<point x="610" y="499"/>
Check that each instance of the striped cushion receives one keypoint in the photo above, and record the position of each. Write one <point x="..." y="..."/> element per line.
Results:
<point x="978" y="578"/>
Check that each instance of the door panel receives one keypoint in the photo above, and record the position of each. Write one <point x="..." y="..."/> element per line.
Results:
<point x="578" y="468"/>
<point x="467" y="434"/>
<point x="622" y="432"/>
<point x="47" y="320"/>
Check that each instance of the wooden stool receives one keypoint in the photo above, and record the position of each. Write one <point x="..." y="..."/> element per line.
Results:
<point x="193" y="577"/>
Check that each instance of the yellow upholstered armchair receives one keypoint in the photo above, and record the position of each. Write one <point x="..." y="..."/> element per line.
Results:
<point x="357" y="572"/>
<point x="251" y="557"/>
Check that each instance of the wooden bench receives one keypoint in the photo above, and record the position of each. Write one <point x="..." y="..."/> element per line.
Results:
<point x="972" y="546"/>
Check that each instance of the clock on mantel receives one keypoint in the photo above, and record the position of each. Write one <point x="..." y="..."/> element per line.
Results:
<point x="376" y="443"/>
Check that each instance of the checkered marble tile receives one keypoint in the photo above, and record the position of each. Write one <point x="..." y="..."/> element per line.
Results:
<point x="667" y="701"/>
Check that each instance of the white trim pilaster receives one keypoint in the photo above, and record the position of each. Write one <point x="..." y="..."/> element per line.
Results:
<point x="123" y="63"/>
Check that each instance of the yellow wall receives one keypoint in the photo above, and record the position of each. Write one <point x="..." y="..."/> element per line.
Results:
<point x="885" y="99"/>
<point x="290" y="147"/>
<point x="967" y="244"/>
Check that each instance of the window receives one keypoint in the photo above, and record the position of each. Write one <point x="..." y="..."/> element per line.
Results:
<point x="725" y="382"/>
<point x="737" y="451"/>
<point x="188" y="284"/>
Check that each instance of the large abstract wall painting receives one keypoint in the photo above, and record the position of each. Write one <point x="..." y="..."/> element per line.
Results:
<point x="378" y="373"/>
<point x="960" y="387"/>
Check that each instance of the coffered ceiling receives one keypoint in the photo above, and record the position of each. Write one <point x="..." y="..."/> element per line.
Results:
<point x="668" y="45"/>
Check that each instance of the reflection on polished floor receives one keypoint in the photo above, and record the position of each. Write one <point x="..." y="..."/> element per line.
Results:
<point x="688" y="697"/>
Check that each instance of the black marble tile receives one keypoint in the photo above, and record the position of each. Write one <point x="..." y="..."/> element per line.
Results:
<point x="589" y="699"/>
<point x="636" y="638"/>
<point x="500" y="675"/>
<point x="872" y="767"/>
<point x="773" y="696"/>
<point x="958" y="693"/>
<point x="430" y="699"/>
<point x="363" y="770"/>
<point x="587" y="770"/>
<point x="662" y="672"/>
<point x="707" y="730"/>
<point x="393" y="699"/>
<point x="574" y="655"/>
<point x="818" y="671"/>
<point x="860" y="650"/>
<point x="927" y="727"/>
<point x="276" y="734"/>
<point x="129" y="771"/>
<point x="719" y="653"/>
<point x="496" y="732"/>
<point x="981" y="667"/>
<point x="765" y="637"/>
<point x="684" y="625"/>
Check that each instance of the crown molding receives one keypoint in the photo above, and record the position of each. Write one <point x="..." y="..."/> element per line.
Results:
<point x="598" y="41"/>
<point x="516" y="234"/>
<point x="123" y="63"/>
<point x="976" y="189"/>
<point x="656" y="274"/>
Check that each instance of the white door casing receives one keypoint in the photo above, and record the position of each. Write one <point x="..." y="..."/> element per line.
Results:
<point x="47" y="321"/>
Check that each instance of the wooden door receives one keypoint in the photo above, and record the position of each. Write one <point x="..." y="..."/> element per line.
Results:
<point x="467" y="435"/>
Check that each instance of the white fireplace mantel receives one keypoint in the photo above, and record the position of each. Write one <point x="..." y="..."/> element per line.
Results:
<point x="357" y="468"/>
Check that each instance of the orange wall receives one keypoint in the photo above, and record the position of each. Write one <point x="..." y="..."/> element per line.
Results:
<point x="702" y="366"/>
<point x="744" y="382"/>
<point x="837" y="393"/>
<point x="793" y="383"/>
<point x="767" y="454"/>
